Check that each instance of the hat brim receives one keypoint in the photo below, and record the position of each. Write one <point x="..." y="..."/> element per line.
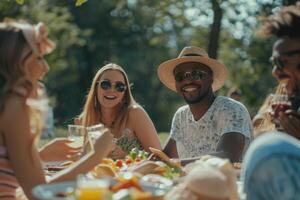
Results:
<point x="166" y="69"/>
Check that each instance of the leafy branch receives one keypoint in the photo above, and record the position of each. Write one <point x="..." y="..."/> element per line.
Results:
<point x="78" y="2"/>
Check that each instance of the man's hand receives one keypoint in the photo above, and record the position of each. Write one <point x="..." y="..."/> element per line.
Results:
<point x="290" y="121"/>
<point x="59" y="149"/>
<point x="231" y="145"/>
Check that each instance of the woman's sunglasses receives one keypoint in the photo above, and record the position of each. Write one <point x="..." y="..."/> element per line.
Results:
<point x="118" y="86"/>
<point x="278" y="60"/>
<point x="194" y="75"/>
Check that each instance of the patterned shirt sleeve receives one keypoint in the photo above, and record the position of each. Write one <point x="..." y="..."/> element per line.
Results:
<point x="237" y="119"/>
<point x="175" y="127"/>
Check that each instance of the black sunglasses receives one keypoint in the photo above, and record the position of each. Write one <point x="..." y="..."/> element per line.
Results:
<point x="278" y="60"/>
<point x="194" y="75"/>
<point x="106" y="85"/>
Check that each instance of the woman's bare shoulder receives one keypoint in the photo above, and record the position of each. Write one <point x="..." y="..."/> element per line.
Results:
<point x="138" y="115"/>
<point x="15" y="106"/>
<point x="136" y="110"/>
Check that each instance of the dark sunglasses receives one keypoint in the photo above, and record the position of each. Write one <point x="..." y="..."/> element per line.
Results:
<point x="194" y="75"/>
<point x="278" y="60"/>
<point x="118" y="86"/>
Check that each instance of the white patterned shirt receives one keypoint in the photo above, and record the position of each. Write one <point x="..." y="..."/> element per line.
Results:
<point x="195" y="138"/>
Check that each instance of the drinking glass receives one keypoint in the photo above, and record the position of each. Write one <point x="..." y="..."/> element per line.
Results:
<point x="92" y="188"/>
<point x="76" y="134"/>
<point x="279" y="103"/>
<point x="94" y="132"/>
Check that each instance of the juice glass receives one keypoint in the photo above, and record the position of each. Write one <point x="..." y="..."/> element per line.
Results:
<point x="88" y="189"/>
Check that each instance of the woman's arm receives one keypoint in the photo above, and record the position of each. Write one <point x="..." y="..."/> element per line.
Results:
<point x="59" y="149"/>
<point x="144" y="128"/>
<point x="15" y="125"/>
<point x="18" y="138"/>
<point x="102" y="147"/>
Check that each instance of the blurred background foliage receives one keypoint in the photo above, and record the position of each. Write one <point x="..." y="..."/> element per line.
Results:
<point x="139" y="35"/>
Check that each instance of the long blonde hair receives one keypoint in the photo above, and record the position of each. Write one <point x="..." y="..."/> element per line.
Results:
<point x="91" y="113"/>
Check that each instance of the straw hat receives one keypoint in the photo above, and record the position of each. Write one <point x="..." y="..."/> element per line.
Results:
<point x="192" y="54"/>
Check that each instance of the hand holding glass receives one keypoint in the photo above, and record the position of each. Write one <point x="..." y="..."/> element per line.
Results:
<point x="95" y="131"/>
<point x="279" y="103"/>
<point x="76" y="134"/>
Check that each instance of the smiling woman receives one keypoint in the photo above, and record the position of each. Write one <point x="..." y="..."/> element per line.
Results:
<point x="22" y="64"/>
<point x="111" y="103"/>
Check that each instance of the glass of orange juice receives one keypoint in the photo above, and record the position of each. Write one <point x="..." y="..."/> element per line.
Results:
<point x="92" y="189"/>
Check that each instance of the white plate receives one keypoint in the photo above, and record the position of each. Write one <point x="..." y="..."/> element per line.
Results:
<point x="50" y="191"/>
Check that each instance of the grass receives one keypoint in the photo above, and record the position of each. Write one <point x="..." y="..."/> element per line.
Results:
<point x="62" y="132"/>
<point x="163" y="136"/>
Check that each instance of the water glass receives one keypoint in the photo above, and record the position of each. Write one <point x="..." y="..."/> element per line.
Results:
<point x="94" y="132"/>
<point x="76" y="134"/>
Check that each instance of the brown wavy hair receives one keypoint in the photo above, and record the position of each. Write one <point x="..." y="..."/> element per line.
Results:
<point x="91" y="114"/>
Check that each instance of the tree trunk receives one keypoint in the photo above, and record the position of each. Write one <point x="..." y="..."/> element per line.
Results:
<point x="214" y="35"/>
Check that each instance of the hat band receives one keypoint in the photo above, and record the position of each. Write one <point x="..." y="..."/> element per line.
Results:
<point x="192" y="54"/>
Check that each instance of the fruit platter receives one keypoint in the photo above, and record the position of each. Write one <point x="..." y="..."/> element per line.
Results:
<point x="135" y="177"/>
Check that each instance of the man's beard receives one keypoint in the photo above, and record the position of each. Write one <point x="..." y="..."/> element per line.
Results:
<point x="197" y="99"/>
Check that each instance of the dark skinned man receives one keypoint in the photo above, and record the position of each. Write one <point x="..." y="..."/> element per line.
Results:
<point x="208" y="124"/>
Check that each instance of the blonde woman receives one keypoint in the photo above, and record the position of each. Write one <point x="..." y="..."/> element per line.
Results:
<point x="22" y="47"/>
<point x="111" y="103"/>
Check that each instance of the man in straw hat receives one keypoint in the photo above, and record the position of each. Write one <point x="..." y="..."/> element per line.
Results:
<point x="272" y="163"/>
<point x="209" y="124"/>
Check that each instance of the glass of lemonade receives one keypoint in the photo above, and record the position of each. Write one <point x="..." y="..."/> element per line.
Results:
<point x="95" y="131"/>
<point x="76" y="134"/>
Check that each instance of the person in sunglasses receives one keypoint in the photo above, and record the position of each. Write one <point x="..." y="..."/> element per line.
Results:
<point x="272" y="163"/>
<point x="111" y="103"/>
<point x="208" y="124"/>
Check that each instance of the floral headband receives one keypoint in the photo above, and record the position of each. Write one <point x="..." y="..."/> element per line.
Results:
<point x="37" y="37"/>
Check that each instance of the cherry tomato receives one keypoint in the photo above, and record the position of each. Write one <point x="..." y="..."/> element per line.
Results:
<point x="119" y="163"/>
<point x="128" y="161"/>
<point x="138" y="159"/>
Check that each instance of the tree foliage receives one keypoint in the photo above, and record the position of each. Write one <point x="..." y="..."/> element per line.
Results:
<point x="141" y="34"/>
